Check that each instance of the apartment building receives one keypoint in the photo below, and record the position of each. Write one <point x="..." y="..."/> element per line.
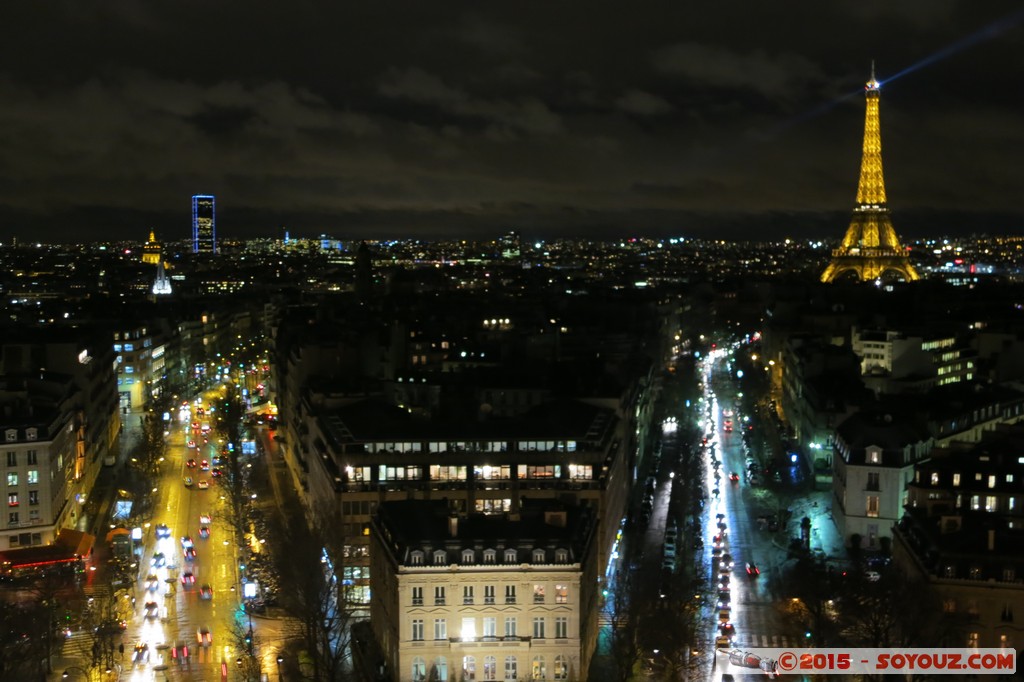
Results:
<point x="484" y="597"/>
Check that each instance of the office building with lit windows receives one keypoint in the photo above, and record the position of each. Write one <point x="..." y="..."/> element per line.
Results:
<point x="484" y="596"/>
<point x="204" y="225"/>
<point x="367" y="452"/>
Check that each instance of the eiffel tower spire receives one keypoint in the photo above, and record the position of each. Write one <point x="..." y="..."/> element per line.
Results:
<point x="870" y="246"/>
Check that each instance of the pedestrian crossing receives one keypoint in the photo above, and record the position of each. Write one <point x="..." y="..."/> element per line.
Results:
<point x="772" y="641"/>
<point x="96" y="590"/>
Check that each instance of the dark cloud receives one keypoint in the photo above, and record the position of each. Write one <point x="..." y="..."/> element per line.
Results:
<point x="408" y="118"/>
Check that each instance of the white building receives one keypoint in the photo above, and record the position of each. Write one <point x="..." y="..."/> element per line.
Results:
<point x="39" y="469"/>
<point x="484" y="597"/>
<point x="873" y="464"/>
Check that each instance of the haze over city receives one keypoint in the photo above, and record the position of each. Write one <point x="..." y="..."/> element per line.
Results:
<point x="462" y="120"/>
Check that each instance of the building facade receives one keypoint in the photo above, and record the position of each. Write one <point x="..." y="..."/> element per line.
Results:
<point x="204" y="225"/>
<point x="40" y="468"/>
<point x="484" y="597"/>
<point x="368" y="452"/>
<point x="964" y="534"/>
<point x="873" y="464"/>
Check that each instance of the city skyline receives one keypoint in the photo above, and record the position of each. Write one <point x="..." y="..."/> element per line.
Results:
<point x="468" y="121"/>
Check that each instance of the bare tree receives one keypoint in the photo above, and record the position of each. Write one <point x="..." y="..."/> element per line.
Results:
<point x="320" y="600"/>
<point x="893" y="611"/>
<point x="810" y="605"/>
<point x="26" y="640"/>
<point x="248" y="643"/>
<point x="625" y="640"/>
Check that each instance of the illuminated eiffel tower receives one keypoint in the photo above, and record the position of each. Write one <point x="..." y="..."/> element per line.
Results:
<point x="870" y="247"/>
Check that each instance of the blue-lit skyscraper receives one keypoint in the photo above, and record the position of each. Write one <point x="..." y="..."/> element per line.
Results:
<point x="204" y="225"/>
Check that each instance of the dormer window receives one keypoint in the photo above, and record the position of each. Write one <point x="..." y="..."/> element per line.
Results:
<point x="31" y="434"/>
<point x="561" y="556"/>
<point x="416" y="558"/>
<point x="12" y="435"/>
<point x="538" y="556"/>
<point x="440" y="557"/>
<point x="467" y="556"/>
<point x="874" y="457"/>
<point x="510" y="556"/>
<point x="490" y="556"/>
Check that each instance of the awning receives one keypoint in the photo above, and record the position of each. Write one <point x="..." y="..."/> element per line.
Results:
<point x="78" y="542"/>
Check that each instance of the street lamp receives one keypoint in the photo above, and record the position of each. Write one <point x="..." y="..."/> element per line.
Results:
<point x="67" y="673"/>
<point x="280" y="660"/>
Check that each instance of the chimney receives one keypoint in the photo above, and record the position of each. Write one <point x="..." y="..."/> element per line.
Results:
<point x="453" y="526"/>
<point x="991" y="539"/>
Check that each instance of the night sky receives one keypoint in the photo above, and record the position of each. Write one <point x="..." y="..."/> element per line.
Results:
<point x="412" y="118"/>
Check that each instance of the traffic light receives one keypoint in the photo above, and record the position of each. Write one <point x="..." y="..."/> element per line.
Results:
<point x="248" y="641"/>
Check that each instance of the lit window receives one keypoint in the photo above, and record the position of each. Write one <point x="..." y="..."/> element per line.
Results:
<point x="12" y="479"/>
<point x="538" y="594"/>
<point x="991" y="481"/>
<point x="935" y="478"/>
<point x="540" y="671"/>
<point x="12" y="499"/>
<point x="33" y="477"/>
<point x="440" y="629"/>
<point x="991" y="504"/>
<point x="561" y="594"/>
<point x="872" y="507"/>
<point x="956" y="480"/>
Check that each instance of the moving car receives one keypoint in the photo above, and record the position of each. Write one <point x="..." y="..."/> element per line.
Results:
<point x="752" y="570"/>
<point x="188" y="579"/>
<point x="203" y="636"/>
<point x="204" y="532"/>
<point x="158" y="560"/>
<point x="204" y="465"/>
<point x="141" y="653"/>
<point x="723" y="642"/>
<point x="152" y="609"/>
<point x="190" y="554"/>
<point x="204" y="519"/>
<point x="191" y="464"/>
<point x="734" y="477"/>
<point x="191" y="444"/>
<point x="152" y="583"/>
<point x="206" y="592"/>
<point x="162" y="531"/>
<point x="203" y="484"/>
<point x="188" y="481"/>
<point x="186" y="542"/>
